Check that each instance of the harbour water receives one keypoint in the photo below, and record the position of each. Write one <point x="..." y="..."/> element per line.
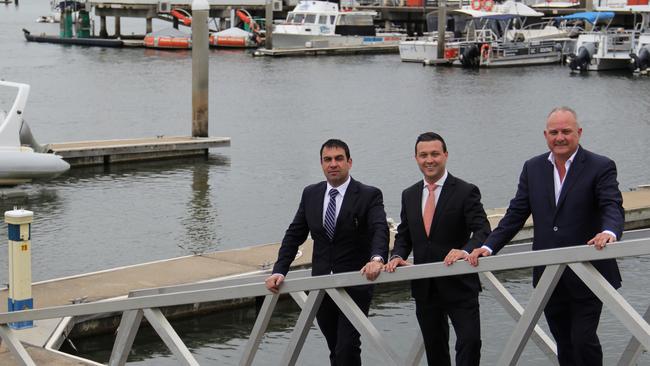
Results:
<point x="278" y="112"/>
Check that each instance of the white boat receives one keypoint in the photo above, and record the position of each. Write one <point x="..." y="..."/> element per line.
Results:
<point x="18" y="163"/>
<point x="502" y="38"/>
<point x="486" y="44"/>
<point x="320" y="24"/>
<point x="640" y="57"/>
<point x="604" y="48"/>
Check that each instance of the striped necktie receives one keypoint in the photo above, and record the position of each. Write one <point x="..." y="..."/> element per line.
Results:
<point x="330" y="215"/>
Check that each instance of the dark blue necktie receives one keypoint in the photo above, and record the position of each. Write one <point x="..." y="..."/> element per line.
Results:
<point x="330" y="215"/>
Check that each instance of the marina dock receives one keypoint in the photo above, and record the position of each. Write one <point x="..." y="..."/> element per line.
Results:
<point x="100" y="152"/>
<point x="118" y="282"/>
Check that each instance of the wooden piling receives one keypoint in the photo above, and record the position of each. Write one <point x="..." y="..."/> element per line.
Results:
<point x="200" y="70"/>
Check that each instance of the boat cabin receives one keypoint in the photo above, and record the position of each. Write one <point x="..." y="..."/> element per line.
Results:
<point x="324" y="18"/>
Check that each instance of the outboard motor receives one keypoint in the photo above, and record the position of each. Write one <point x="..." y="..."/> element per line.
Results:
<point x="582" y="60"/>
<point x="470" y="57"/>
<point x="641" y="61"/>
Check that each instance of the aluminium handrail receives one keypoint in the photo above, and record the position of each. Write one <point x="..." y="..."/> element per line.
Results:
<point x="148" y="303"/>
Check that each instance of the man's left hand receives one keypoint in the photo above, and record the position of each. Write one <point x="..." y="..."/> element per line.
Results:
<point x="601" y="240"/>
<point x="454" y="255"/>
<point x="372" y="270"/>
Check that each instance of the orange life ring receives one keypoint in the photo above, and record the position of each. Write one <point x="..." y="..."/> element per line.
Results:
<point x="485" y="51"/>
<point x="477" y="4"/>
<point x="488" y="5"/>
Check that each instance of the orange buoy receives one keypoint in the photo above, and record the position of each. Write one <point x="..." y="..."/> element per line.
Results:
<point x="477" y="4"/>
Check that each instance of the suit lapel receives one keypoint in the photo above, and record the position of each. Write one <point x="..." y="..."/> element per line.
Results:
<point x="350" y="198"/>
<point x="415" y="196"/>
<point x="572" y="176"/>
<point x="549" y="178"/>
<point x="317" y="212"/>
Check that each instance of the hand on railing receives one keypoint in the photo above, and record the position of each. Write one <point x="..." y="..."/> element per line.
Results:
<point x="601" y="239"/>
<point x="394" y="263"/>
<point x="273" y="282"/>
<point x="478" y="252"/>
<point x="372" y="270"/>
<point x="454" y="255"/>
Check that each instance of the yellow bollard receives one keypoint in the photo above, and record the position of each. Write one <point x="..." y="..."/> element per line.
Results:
<point x="19" y="227"/>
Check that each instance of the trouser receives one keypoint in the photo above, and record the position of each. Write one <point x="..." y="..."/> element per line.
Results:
<point x="343" y="340"/>
<point x="433" y="316"/>
<point x="573" y="322"/>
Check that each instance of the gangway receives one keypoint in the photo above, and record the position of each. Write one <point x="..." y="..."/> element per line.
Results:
<point x="147" y="303"/>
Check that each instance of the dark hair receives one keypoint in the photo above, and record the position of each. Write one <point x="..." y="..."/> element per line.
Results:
<point x="430" y="136"/>
<point x="334" y="143"/>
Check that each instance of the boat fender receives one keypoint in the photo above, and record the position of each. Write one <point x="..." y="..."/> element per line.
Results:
<point x="634" y="62"/>
<point x="488" y="5"/>
<point x="485" y="51"/>
<point x="477" y="4"/>
<point x="582" y="60"/>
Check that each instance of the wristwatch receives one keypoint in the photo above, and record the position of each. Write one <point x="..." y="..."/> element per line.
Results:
<point x="377" y="259"/>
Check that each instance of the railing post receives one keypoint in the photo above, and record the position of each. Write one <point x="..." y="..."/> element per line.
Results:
<point x="633" y="349"/>
<point x="14" y="345"/>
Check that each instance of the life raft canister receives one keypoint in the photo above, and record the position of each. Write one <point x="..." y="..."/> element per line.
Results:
<point x="167" y="42"/>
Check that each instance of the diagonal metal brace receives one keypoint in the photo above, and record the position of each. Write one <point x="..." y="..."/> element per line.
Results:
<point x="531" y="315"/>
<point x="305" y="320"/>
<point x="259" y="328"/>
<point x="14" y="345"/>
<point x="614" y="301"/>
<point x="363" y="325"/>
<point x="168" y="335"/>
<point x="126" y="332"/>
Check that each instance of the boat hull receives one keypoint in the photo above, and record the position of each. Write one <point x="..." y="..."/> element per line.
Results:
<point x="294" y="41"/>
<point x="24" y="166"/>
<point x="98" y="42"/>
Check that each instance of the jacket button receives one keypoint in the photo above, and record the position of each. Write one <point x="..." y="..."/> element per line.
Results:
<point x="554" y="228"/>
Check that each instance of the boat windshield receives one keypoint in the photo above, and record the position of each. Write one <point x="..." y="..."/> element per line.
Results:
<point x="355" y="19"/>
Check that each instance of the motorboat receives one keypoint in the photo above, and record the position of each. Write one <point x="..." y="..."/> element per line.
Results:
<point x="604" y="48"/>
<point x="168" y="38"/>
<point x="494" y="35"/>
<point x="21" y="158"/>
<point x="502" y="38"/>
<point x="235" y="37"/>
<point x="321" y="24"/>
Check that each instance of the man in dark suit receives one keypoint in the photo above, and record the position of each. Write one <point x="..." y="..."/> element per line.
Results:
<point x="574" y="198"/>
<point x="348" y="225"/>
<point x="442" y="218"/>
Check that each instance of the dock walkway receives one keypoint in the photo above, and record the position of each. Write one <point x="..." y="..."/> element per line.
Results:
<point x="117" y="282"/>
<point x="99" y="152"/>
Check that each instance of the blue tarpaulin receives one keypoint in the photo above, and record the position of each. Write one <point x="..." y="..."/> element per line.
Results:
<point x="589" y="16"/>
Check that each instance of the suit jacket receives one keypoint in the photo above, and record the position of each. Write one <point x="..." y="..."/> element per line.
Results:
<point x="459" y="222"/>
<point x="589" y="203"/>
<point x="361" y="230"/>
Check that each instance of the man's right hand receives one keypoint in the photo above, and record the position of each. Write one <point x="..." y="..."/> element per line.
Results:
<point x="478" y="252"/>
<point x="273" y="282"/>
<point x="394" y="263"/>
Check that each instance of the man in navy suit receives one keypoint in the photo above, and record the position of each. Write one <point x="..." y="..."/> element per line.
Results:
<point x="455" y="226"/>
<point x="348" y="225"/>
<point x="574" y="198"/>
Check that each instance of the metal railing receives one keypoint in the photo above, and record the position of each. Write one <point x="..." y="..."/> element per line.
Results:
<point x="147" y="303"/>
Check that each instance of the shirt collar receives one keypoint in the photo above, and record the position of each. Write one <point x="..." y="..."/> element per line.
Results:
<point x="440" y="181"/>
<point x="551" y="158"/>
<point x="341" y="189"/>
